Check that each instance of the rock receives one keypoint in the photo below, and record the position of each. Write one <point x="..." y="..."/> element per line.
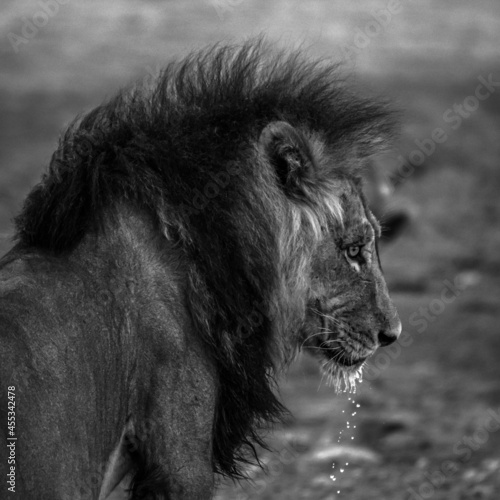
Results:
<point x="355" y="455"/>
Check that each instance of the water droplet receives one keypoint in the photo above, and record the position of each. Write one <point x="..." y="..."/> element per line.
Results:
<point x="352" y="437"/>
<point x="342" y="470"/>
<point x="358" y="405"/>
<point x="338" y="492"/>
<point x="333" y="478"/>
<point x="347" y="463"/>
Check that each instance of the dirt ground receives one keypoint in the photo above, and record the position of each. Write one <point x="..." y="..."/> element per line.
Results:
<point x="428" y="421"/>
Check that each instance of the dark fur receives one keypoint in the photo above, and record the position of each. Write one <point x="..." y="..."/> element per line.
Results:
<point x="157" y="148"/>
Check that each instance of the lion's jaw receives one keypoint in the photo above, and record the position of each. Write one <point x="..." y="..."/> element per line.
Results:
<point x="342" y="355"/>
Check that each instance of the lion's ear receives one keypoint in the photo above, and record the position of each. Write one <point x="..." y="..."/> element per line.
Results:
<point x="289" y="151"/>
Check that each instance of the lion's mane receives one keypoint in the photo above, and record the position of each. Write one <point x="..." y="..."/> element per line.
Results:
<point x="185" y="149"/>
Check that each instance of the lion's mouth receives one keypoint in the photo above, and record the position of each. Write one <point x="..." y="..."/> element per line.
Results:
<point x="342" y="361"/>
<point x="343" y="355"/>
<point x="346" y="360"/>
<point x="343" y="378"/>
<point x="338" y="354"/>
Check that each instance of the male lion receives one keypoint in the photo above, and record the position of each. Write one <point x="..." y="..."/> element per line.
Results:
<point x="185" y="241"/>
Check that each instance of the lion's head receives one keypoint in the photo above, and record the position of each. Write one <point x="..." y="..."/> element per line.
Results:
<point x="348" y="312"/>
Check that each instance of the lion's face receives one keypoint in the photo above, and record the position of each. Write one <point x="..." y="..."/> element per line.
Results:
<point x="349" y="312"/>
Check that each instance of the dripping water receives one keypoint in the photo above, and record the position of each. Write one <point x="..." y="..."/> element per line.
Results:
<point x="354" y="411"/>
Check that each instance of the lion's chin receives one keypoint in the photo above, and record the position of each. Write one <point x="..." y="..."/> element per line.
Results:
<point x="343" y="378"/>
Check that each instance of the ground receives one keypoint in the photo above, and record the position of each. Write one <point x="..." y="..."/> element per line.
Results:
<point x="428" y="421"/>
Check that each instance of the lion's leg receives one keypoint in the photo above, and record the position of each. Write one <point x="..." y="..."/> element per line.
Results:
<point x="167" y="469"/>
<point x="172" y="448"/>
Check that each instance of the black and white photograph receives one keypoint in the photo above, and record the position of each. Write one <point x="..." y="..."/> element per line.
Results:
<point x="250" y="250"/>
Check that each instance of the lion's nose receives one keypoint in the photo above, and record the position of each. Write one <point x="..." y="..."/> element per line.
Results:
<point x="387" y="337"/>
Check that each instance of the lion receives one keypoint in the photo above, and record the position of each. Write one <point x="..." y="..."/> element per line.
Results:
<point x="187" y="239"/>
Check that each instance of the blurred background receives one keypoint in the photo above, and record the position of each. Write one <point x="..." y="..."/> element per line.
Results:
<point x="425" y="423"/>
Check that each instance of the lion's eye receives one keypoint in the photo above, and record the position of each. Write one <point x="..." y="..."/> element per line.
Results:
<point x="354" y="256"/>
<point x="353" y="252"/>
